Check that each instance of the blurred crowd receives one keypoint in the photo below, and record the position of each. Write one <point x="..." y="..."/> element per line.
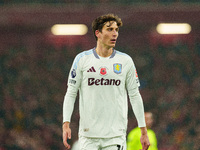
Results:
<point x="33" y="85"/>
<point x="170" y="83"/>
<point x="95" y="1"/>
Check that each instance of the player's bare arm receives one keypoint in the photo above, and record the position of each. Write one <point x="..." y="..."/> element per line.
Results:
<point x="144" y="138"/>
<point x="66" y="134"/>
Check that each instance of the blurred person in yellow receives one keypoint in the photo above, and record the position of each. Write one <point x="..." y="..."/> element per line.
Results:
<point x="133" y="139"/>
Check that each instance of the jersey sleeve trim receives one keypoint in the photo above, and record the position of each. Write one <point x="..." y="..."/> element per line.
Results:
<point x="121" y="53"/>
<point x="79" y="56"/>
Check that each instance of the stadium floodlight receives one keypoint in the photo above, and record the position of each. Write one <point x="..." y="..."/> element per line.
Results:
<point x="69" y="29"/>
<point x="173" y="28"/>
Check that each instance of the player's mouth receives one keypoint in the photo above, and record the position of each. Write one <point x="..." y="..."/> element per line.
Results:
<point x="113" y="40"/>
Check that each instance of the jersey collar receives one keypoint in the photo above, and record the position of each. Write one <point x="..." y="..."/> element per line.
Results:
<point x="97" y="56"/>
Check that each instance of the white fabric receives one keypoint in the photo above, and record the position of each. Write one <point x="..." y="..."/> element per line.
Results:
<point x="103" y="91"/>
<point x="76" y="146"/>
<point x="115" y="143"/>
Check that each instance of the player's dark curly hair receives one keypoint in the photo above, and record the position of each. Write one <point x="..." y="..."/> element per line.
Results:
<point x="99" y="22"/>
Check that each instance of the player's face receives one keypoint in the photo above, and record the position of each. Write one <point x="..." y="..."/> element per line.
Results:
<point x="108" y="35"/>
<point x="148" y="119"/>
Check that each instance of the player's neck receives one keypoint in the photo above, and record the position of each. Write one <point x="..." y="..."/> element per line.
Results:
<point x="104" y="51"/>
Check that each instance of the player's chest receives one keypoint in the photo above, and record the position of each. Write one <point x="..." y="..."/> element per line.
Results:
<point x="107" y="69"/>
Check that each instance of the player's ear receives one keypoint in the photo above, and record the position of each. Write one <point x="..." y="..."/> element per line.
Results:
<point x="97" y="33"/>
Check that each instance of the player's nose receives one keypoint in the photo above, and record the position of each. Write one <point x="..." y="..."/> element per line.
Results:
<point x="115" y="33"/>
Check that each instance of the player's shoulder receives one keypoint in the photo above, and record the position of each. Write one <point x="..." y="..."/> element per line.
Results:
<point x="123" y="55"/>
<point x="85" y="53"/>
<point x="81" y="57"/>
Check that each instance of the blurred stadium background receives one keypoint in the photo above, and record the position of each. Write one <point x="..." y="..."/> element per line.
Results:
<point x="34" y="66"/>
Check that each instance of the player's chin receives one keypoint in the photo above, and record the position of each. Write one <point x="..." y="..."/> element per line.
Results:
<point x="112" y="45"/>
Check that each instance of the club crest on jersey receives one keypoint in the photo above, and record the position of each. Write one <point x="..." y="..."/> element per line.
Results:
<point x="117" y="68"/>
<point x="73" y="73"/>
<point x="103" y="70"/>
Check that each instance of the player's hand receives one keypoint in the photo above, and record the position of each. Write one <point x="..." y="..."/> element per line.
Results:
<point x="144" y="139"/>
<point x="66" y="134"/>
<point x="145" y="142"/>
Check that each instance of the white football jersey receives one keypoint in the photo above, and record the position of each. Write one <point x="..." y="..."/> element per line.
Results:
<point x="103" y="85"/>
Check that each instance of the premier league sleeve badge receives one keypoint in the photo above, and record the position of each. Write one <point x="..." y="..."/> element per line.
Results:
<point x="73" y="73"/>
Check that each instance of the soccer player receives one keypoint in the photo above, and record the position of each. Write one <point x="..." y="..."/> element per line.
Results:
<point x="103" y="77"/>
<point x="133" y="140"/>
